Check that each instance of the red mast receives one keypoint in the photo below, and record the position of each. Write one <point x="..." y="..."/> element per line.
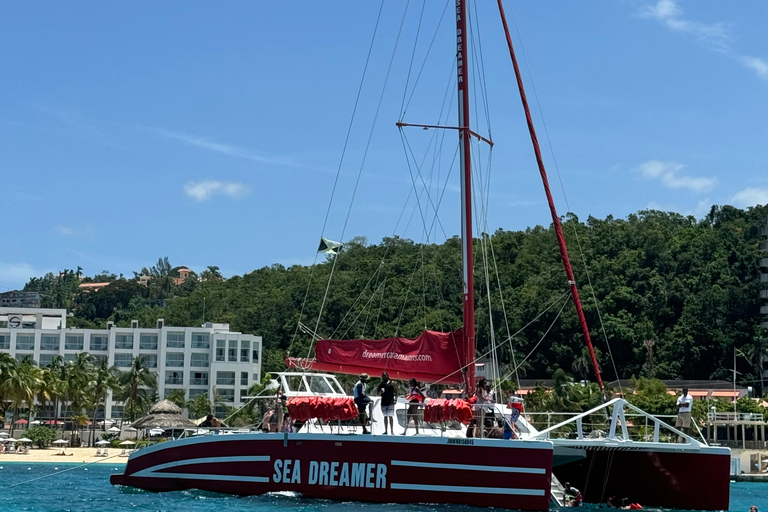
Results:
<point x="465" y="160"/>
<point x="555" y="218"/>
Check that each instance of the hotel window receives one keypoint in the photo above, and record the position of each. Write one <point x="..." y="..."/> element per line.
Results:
<point x="117" y="411"/>
<point x="232" y="351"/>
<point x="176" y="378"/>
<point x="221" y="346"/>
<point x="201" y="340"/>
<point x="243" y="394"/>
<point x="73" y="342"/>
<point x="99" y="343"/>
<point x="197" y="392"/>
<point x="49" y="342"/>
<point x="225" y="378"/>
<point x="151" y="360"/>
<point x="70" y="358"/>
<point x="5" y="342"/>
<point x="226" y="395"/>
<point x="198" y="379"/>
<point x="25" y="357"/>
<point x="199" y="360"/>
<point x="124" y="341"/>
<point x="148" y="342"/>
<point x="175" y="340"/>
<point x="244" y="349"/>
<point x="46" y="359"/>
<point x="25" y="342"/>
<point x="174" y="360"/>
<point x="123" y="360"/>
<point x="255" y="355"/>
<point x="243" y="378"/>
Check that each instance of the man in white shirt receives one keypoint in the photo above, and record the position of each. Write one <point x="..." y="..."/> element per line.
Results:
<point x="684" y="406"/>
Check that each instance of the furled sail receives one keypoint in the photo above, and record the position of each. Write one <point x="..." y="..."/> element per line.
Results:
<point x="430" y="357"/>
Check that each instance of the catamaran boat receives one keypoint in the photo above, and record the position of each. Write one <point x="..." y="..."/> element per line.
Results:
<point x="339" y="462"/>
<point x="442" y="464"/>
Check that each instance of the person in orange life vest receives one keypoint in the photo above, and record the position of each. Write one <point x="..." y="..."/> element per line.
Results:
<point x="415" y="397"/>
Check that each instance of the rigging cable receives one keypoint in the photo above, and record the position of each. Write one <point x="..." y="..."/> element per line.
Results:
<point x="338" y="170"/>
<point x="360" y="170"/>
<point x="565" y="197"/>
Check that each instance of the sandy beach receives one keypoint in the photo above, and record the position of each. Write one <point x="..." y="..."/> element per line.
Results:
<point x="74" y="455"/>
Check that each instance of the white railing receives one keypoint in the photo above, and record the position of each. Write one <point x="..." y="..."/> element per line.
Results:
<point x="734" y="416"/>
<point x="621" y="425"/>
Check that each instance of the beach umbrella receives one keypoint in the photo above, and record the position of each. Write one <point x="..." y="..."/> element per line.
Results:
<point x="114" y="430"/>
<point x="11" y="440"/>
<point x="4" y="434"/>
<point x="127" y="443"/>
<point x="25" y="440"/>
<point x="54" y="422"/>
<point x="102" y="443"/>
<point x="60" y="441"/>
<point x="22" y="421"/>
<point x="131" y="429"/>
<point x="36" y="422"/>
<point x="156" y="432"/>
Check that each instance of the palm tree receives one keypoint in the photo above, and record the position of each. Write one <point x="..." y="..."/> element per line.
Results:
<point x="20" y="385"/>
<point x="7" y="363"/>
<point x="105" y="378"/>
<point x="136" y="388"/>
<point x="178" y="397"/>
<point x="80" y="376"/>
<point x="199" y="406"/>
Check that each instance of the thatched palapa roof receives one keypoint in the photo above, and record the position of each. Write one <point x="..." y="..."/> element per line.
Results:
<point x="164" y="414"/>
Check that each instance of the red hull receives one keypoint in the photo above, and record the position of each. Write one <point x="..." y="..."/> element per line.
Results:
<point x="486" y="473"/>
<point x="653" y="478"/>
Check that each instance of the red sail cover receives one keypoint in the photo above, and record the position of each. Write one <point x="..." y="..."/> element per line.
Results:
<point x="431" y="357"/>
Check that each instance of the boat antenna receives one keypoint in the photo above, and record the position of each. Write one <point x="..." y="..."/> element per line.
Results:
<point x="465" y="161"/>
<point x="555" y="219"/>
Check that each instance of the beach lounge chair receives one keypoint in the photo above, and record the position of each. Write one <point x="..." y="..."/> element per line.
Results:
<point x="105" y="453"/>
<point x="124" y="453"/>
<point x="98" y="452"/>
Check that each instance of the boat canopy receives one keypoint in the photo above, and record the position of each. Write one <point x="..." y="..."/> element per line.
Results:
<point x="431" y="357"/>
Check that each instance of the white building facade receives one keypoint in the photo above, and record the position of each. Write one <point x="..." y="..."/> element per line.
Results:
<point x="209" y="359"/>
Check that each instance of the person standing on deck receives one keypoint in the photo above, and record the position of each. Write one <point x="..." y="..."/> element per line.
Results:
<point x="362" y="401"/>
<point x="415" y="398"/>
<point x="388" y="397"/>
<point x="684" y="406"/>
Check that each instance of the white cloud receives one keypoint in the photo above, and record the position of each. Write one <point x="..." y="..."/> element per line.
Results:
<point x="15" y="275"/>
<point x="756" y="64"/>
<point x="669" y="175"/>
<point x="670" y="14"/>
<point x="231" y="150"/>
<point x="750" y="197"/>
<point x="202" y="190"/>
<point x="73" y="230"/>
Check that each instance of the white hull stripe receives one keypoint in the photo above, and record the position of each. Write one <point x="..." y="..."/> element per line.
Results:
<point x="468" y="467"/>
<point x="156" y="471"/>
<point x="472" y="490"/>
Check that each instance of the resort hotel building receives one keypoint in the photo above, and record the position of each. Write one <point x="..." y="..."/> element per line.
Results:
<point x="209" y="359"/>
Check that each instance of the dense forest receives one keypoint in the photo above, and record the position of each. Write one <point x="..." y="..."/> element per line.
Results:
<point x="671" y="295"/>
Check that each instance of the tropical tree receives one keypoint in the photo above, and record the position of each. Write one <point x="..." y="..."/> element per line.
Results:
<point x="178" y="397"/>
<point x="105" y="378"/>
<point x="20" y="385"/>
<point x="41" y="436"/>
<point x="199" y="406"/>
<point x="137" y="387"/>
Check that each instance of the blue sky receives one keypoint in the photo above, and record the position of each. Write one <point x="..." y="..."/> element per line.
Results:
<point x="212" y="134"/>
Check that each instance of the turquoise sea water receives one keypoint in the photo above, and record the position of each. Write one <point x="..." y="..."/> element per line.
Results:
<point x="87" y="488"/>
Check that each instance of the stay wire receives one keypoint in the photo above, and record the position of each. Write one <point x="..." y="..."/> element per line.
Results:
<point x="565" y="197"/>
<point x="338" y="170"/>
<point x="413" y="55"/>
<point x="360" y="170"/>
